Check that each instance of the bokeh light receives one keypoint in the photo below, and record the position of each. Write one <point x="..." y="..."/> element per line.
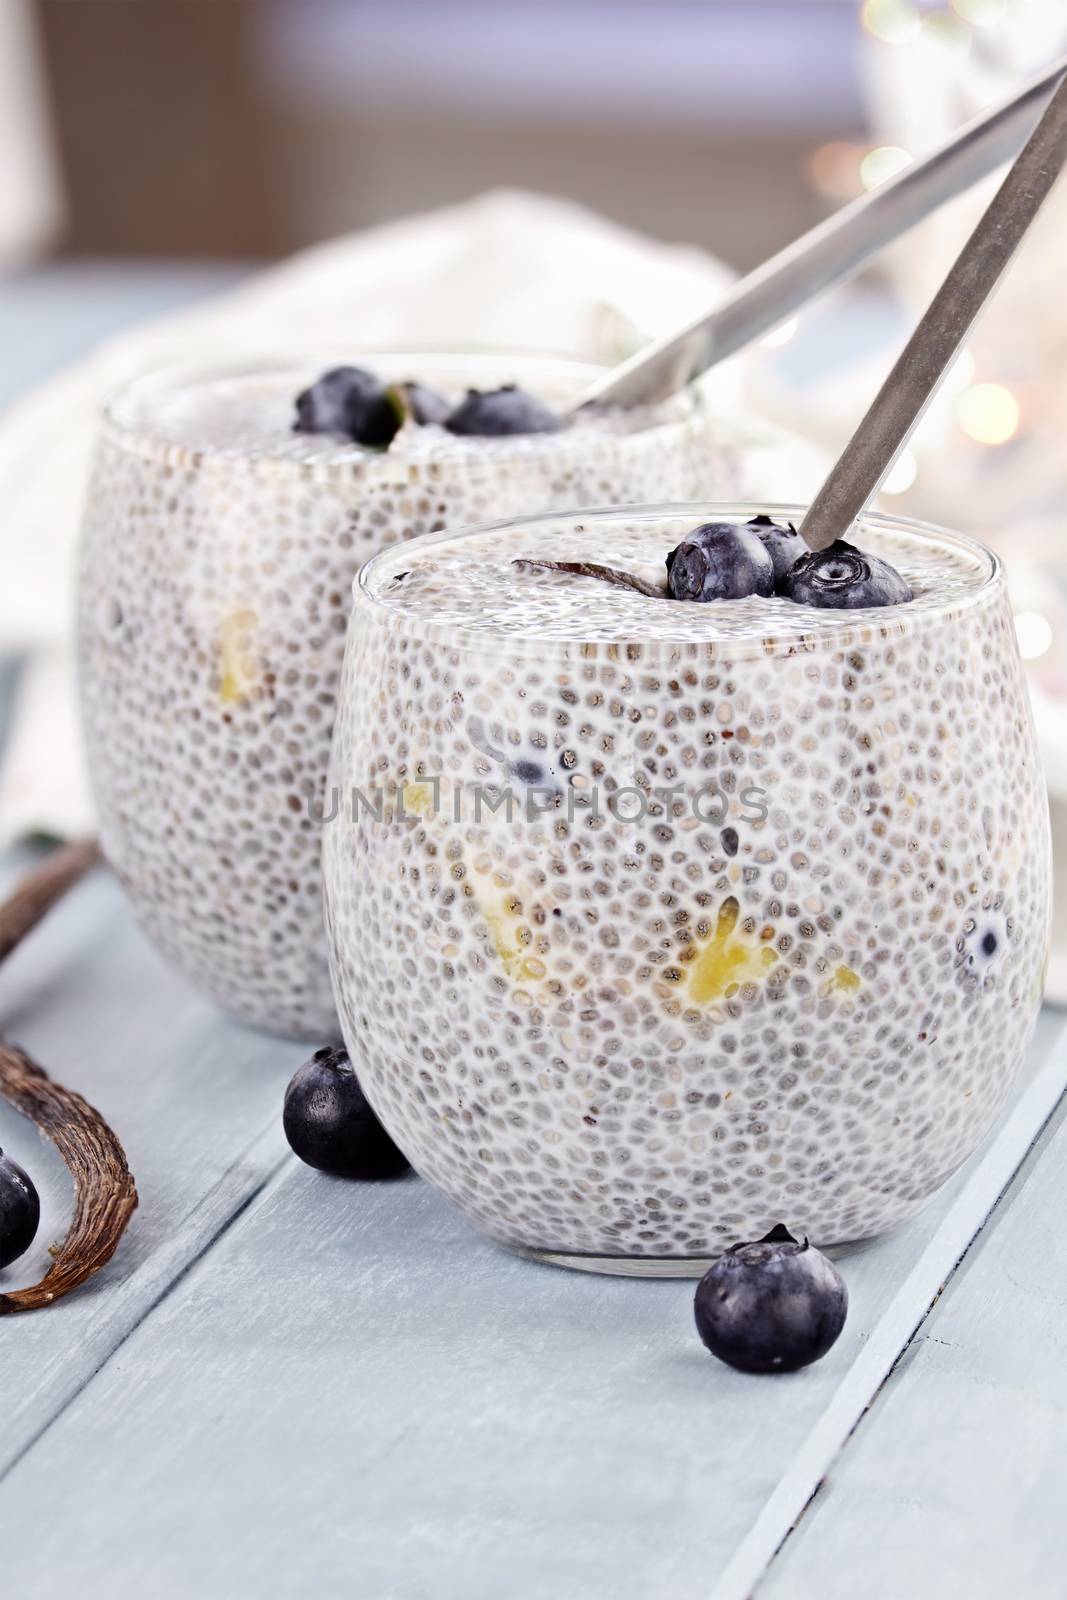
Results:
<point x="981" y="13"/>
<point x="834" y="169"/>
<point x="892" y="21"/>
<point x="989" y="413"/>
<point x="883" y="162"/>
<point x="1034" y="633"/>
<point x="902" y="474"/>
<point x="947" y="32"/>
<point x="781" y="334"/>
<point x="960" y="374"/>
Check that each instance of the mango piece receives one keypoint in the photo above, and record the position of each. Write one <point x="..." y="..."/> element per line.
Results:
<point x="510" y="937"/>
<point x="418" y="799"/>
<point x="240" y="669"/>
<point x="727" y="959"/>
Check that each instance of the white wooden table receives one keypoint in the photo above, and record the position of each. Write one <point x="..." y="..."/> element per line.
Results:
<point x="289" y="1386"/>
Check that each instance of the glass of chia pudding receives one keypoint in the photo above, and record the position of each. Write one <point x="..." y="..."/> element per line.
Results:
<point x="655" y="923"/>
<point x="227" y="516"/>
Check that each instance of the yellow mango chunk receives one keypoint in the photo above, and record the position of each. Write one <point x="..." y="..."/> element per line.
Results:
<point x="240" y="669"/>
<point x="418" y="799"/>
<point x="727" y="959"/>
<point x="510" y="936"/>
<point x="842" y="981"/>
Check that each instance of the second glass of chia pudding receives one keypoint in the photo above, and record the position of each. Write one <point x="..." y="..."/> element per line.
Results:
<point x="227" y="515"/>
<point x="654" y="922"/>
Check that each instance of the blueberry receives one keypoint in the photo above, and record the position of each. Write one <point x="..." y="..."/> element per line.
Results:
<point x="783" y="544"/>
<point x="500" y="411"/>
<point x="527" y="771"/>
<point x="20" y="1212"/>
<point x="351" y="401"/>
<point x="842" y="577"/>
<point x="720" y="561"/>
<point x="771" y="1306"/>
<point x="330" y="1125"/>
<point x="982" y="945"/>
<point x="425" y="405"/>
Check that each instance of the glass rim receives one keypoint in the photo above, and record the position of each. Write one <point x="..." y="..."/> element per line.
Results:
<point x="830" y="629"/>
<point x="484" y="363"/>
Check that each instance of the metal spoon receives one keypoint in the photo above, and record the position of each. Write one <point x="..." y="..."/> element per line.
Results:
<point x="931" y="349"/>
<point x="826" y="254"/>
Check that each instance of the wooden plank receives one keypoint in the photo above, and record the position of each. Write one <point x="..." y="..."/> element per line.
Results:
<point x="194" y="1098"/>
<point x="955" y="1487"/>
<point x="985" y="1182"/>
<point x="351" y="1393"/>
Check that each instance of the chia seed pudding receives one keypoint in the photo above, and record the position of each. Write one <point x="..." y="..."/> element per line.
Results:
<point x="218" y="554"/>
<point x="760" y="933"/>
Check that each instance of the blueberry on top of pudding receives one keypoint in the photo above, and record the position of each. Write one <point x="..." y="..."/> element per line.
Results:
<point x="547" y="581"/>
<point x="731" y="560"/>
<point x="720" y="561"/>
<point x="424" y="405"/>
<point x="495" y="412"/>
<point x="352" y="401"/>
<point x="843" y="578"/>
<point x="782" y="543"/>
<point x="356" y="403"/>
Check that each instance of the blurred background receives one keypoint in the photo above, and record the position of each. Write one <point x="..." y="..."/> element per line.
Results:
<point x="251" y="127"/>
<point x="179" y="142"/>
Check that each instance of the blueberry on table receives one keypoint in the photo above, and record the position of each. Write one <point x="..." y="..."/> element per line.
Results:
<point x="494" y="412"/>
<point x="20" y="1211"/>
<point x="720" y="561"/>
<point x="350" y="401"/>
<point x="330" y="1125"/>
<point x="782" y="543"/>
<point x="844" y="578"/>
<point x="774" y="1305"/>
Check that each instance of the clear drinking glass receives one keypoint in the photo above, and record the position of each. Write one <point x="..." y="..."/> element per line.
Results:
<point x="760" y="934"/>
<point x="217" y="561"/>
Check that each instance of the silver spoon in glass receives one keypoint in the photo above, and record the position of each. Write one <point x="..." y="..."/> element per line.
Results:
<point x="930" y="351"/>
<point x="826" y="254"/>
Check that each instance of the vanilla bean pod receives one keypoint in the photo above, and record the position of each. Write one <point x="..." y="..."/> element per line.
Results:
<point x="105" y="1196"/>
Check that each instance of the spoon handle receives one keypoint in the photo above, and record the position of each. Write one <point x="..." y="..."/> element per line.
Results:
<point x="928" y="354"/>
<point x="826" y="254"/>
